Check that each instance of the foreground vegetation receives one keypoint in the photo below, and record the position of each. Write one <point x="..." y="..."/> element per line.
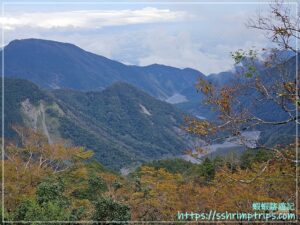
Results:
<point x="52" y="182"/>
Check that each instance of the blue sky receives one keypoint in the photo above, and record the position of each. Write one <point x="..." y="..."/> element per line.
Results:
<point x="199" y="36"/>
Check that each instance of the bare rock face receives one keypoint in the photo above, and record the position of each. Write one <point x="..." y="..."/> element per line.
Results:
<point x="36" y="117"/>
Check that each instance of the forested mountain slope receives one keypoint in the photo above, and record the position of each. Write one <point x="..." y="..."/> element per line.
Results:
<point x="121" y="124"/>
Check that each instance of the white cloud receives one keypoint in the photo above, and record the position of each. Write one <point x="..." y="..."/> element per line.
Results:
<point x="91" y="19"/>
<point x="180" y="50"/>
<point x="155" y="45"/>
<point x="198" y="37"/>
<point x="152" y="45"/>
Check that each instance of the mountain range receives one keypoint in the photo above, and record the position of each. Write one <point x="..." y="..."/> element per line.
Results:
<point x="126" y="114"/>
<point x="54" y="65"/>
<point x="121" y="124"/>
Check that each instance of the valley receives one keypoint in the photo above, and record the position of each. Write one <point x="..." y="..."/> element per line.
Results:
<point x="248" y="140"/>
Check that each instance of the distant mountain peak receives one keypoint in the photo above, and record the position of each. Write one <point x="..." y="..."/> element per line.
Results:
<point x="38" y="41"/>
<point x="52" y="64"/>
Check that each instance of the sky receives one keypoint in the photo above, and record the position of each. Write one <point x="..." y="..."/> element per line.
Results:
<point x="196" y="35"/>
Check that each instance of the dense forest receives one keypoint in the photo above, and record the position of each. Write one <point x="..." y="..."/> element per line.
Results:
<point x="58" y="183"/>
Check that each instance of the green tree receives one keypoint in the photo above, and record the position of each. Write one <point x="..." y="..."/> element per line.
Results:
<point x="253" y="156"/>
<point x="50" y="204"/>
<point x="107" y="209"/>
<point x="96" y="185"/>
<point x="207" y="170"/>
<point x="51" y="190"/>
